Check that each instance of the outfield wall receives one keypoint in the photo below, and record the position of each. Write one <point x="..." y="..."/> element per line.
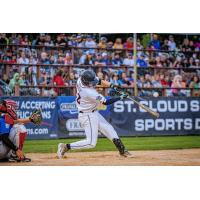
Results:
<point x="178" y="116"/>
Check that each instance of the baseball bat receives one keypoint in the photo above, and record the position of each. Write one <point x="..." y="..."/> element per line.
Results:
<point x="149" y="110"/>
<point x="152" y="112"/>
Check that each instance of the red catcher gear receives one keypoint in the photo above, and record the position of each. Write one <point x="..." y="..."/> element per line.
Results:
<point x="2" y="108"/>
<point x="11" y="108"/>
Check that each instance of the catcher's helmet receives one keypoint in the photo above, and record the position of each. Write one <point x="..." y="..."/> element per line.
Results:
<point x="89" y="78"/>
<point x="11" y="108"/>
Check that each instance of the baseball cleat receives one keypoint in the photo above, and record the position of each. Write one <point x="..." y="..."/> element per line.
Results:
<point x="126" y="154"/>
<point x="61" y="150"/>
<point x="14" y="158"/>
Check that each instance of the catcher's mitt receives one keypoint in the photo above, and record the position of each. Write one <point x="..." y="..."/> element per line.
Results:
<point x="36" y="117"/>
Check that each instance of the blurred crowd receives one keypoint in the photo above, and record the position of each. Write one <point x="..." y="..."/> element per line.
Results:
<point x="110" y="57"/>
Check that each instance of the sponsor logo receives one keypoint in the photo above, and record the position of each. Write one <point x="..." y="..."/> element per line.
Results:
<point x="37" y="131"/>
<point x="73" y="125"/>
<point x="70" y="107"/>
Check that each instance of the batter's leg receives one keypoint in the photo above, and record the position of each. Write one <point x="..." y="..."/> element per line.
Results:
<point x="110" y="133"/>
<point x="90" y="124"/>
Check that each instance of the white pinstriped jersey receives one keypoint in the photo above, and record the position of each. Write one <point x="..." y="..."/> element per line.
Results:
<point x="87" y="98"/>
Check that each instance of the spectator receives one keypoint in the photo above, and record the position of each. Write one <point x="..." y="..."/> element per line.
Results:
<point x="90" y="43"/>
<point x="155" y="81"/>
<point x="129" y="43"/>
<point x="71" y="80"/>
<point x="155" y="43"/>
<point x="58" y="79"/>
<point x="104" y="59"/>
<point x="102" y="43"/>
<point x="110" y="45"/>
<point x="129" y="60"/>
<point x="5" y="79"/>
<point x="158" y="62"/>
<point x="68" y="59"/>
<point x="60" y="41"/>
<point x="164" y="80"/>
<point x="13" y="39"/>
<point x="197" y="63"/>
<point x="40" y="40"/>
<point x="165" y="46"/>
<point x="100" y="75"/>
<point x="32" y="70"/>
<point x="118" y="45"/>
<point x="171" y="43"/>
<point x="73" y="41"/>
<point x="115" y="79"/>
<point x="88" y="58"/>
<point x="195" y="86"/>
<point x="25" y="40"/>
<point x="23" y="60"/>
<point x="117" y="61"/>
<point x="99" y="60"/>
<point x="176" y="84"/>
<point x="80" y="42"/>
<point x="124" y="80"/>
<point x="3" y="39"/>
<point x="24" y="79"/>
<point x="141" y="62"/>
<point x="16" y="80"/>
<point x="43" y="78"/>
<point x="141" y="82"/>
<point x="48" y="41"/>
<point x="191" y="62"/>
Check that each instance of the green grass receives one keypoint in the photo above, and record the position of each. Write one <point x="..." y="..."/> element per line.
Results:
<point x="131" y="143"/>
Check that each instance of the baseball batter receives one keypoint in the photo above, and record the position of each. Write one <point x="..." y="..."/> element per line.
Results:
<point x="87" y="101"/>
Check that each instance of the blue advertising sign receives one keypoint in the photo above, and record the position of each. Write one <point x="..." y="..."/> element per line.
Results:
<point x="48" y="128"/>
<point x="69" y="125"/>
<point x="178" y="116"/>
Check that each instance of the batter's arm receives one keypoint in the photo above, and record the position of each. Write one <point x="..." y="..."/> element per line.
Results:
<point x="107" y="84"/>
<point x="113" y="100"/>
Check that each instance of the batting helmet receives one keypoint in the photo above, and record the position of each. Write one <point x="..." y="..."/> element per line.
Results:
<point x="88" y="78"/>
<point x="11" y="108"/>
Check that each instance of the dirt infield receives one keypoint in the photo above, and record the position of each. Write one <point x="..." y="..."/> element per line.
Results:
<point x="184" y="157"/>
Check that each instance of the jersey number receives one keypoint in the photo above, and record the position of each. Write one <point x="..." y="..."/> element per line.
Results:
<point x="78" y="98"/>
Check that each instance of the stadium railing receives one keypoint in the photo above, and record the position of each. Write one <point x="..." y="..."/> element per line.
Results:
<point x="41" y="88"/>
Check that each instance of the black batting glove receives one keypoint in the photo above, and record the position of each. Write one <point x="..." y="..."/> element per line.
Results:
<point x="123" y="95"/>
<point x="115" y="87"/>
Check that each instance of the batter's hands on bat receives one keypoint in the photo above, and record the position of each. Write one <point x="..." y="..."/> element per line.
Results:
<point x="115" y="87"/>
<point x="123" y="95"/>
<point x="36" y="117"/>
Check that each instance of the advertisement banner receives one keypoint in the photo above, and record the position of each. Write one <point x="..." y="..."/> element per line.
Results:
<point x="48" y="128"/>
<point x="178" y="116"/>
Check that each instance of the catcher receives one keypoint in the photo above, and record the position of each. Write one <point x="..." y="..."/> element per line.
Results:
<point x="13" y="132"/>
